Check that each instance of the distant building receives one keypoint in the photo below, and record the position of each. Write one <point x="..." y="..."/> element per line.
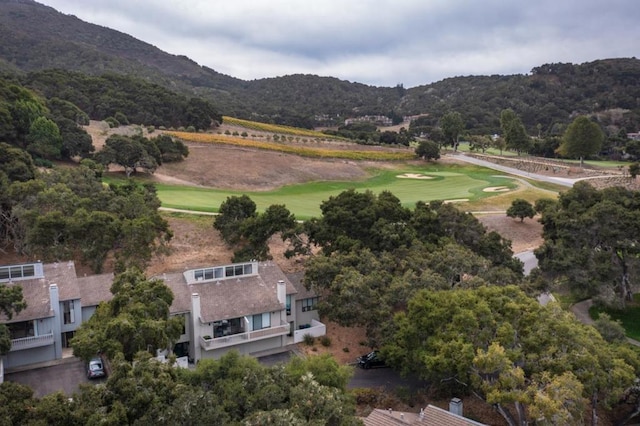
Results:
<point x="379" y="120"/>
<point x="635" y="136"/>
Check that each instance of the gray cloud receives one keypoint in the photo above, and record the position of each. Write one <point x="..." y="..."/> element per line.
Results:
<point x="379" y="42"/>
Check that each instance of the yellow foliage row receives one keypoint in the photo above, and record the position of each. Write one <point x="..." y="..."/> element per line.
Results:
<point x="274" y="128"/>
<point x="290" y="149"/>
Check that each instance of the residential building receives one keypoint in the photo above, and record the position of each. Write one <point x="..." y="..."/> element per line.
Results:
<point x="428" y="416"/>
<point x="57" y="303"/>
<point x="379" y="120"/>
<point x="251" y="307"/>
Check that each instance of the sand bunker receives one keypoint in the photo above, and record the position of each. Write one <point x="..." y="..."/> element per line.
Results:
<point x="456" y="200"/>
<point x="413" y="176"/>
<point x="496" y="189"/>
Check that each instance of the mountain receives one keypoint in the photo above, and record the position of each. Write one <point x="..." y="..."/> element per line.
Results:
<point x="36" y="37"/>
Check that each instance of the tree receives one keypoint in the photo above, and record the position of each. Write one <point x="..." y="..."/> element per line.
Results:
<point x="232" y="213"/>
<point x="127" y="152"/>
<point x="75" y="140"/>
<point x="452" y="126"/>
<point x="428" y="150"/>
<point x="172" y="150"/>
<point x="44" y="139"/>
<point x="509" y="351"/>
<point x="500" y="144"/>
<point x="582" y="138"/>
<point x="603" y="261"/>
<point x="353" y="219"/>
<point x="480" y="142"/>
<point x="634" y="170"/>
<point x="513" y="131"/>
<point x="256" y="231"/>
<point x="136" y="319"/>
<point x="521" y="208"/>
<point x="11" y="302"/>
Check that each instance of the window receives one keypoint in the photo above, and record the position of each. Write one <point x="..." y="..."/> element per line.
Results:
<point x="288" y="304"/>
<point x="217" y="273"/>
<point x="261" y="321"/>
<point x="17" y="271"/>
<point x="68" y="312"/>
<point x="310" y="304"/>
<point x="19" y="330"/>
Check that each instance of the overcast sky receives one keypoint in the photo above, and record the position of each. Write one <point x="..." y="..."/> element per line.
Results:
<point x="376" y="42"/>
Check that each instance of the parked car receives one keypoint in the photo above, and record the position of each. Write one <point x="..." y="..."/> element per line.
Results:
<point x="95" y="368"/>
<point x="371" y="360"/>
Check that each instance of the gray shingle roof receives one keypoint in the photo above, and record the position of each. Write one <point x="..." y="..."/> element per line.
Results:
<point x="231" y="297"/>
<point x="433" y="416"/>
<point x="301" y="291"/>
<point x="95" y="289"/>
<point x="36" y="291"/>
<point x="223" y="299"/>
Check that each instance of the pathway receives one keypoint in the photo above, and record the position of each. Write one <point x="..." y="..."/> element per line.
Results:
<point x="581" y="311"/>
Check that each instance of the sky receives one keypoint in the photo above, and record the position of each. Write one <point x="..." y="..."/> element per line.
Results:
<point x="375" y="42"/>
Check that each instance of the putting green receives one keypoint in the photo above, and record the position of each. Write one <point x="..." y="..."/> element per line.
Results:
<point x="304" y="200"/>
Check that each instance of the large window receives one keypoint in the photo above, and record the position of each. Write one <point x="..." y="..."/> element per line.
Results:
<point x="310" y="304"/>
<point x="68" y="312"/>
<point x="220" y="272"/>
<point x="261" y="321"/>
<point x="17" y="271"/>
<point x="20" y="330"/>
<point x="288" y="304"/>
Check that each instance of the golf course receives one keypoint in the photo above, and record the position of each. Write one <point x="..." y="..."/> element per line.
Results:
<point x="451" y="183"/>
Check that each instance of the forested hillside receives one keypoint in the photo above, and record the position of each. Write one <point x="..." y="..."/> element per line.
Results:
<point x="34" y="37"/>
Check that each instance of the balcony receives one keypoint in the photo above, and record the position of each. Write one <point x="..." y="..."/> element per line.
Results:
<point x="31" y="342"/>
<point x="241" y="338"/>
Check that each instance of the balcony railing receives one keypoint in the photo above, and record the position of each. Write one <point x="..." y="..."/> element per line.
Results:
<point x="237" y="339"/>
<point x="31" y="342"/>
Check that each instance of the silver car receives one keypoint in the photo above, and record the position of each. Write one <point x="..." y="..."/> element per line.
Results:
<point x="95" y="369"/>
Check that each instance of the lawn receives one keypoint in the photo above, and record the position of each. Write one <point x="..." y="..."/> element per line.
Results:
<point x="432" y="182"/>
<point x="630" y="317"/>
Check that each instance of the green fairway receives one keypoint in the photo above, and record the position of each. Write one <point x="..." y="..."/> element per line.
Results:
<point x="410" y="185"/>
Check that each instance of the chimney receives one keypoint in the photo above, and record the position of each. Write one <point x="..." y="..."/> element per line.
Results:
<point x="282" y="298"/>
<point x="54" y="299"/>
<point x="282" y="292"/>
<point x="455" y="406"/>
<point x="196" y="332"/>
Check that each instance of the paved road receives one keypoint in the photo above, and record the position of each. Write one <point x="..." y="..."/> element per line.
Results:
<point x="529" y="259"/>
<point x="551" y="179"/>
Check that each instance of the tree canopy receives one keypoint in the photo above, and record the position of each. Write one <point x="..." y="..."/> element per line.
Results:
<point x="68" y="212"/>
<point x="248" y="231"/>
<point x="375" y="254"/>
<point x="521" y="208"/>
<point x="136" y="319"/>
<point x="591" y="242"/>
<point x="513" y="131"/>
<point x="582" y="138"/>
<point x="11" y="302"/>
<point x="511" y="352"/>
<point x="452" y="126"/>
<point x="234" y="390"/>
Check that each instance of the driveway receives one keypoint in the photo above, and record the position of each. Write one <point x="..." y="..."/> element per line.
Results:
<point x="385" y="378"/>
<point x="65" y="376"/>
